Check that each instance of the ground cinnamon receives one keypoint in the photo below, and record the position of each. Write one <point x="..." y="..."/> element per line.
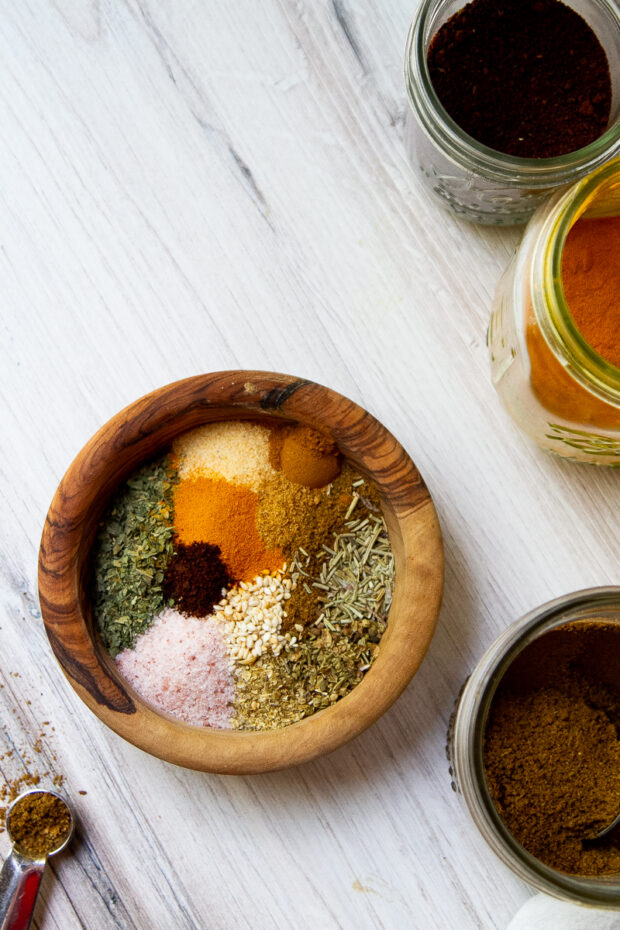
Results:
<point x="306" y="456"/>
<point x="552" y="753"/>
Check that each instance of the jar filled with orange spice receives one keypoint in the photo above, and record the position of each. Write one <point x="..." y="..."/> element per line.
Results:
<point x="554" y="335"/>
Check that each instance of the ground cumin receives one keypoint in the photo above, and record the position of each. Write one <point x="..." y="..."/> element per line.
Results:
<point x="552" y="753"/>
<point x="39" y="823"/>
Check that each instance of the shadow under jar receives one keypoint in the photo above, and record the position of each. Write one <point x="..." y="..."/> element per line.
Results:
<point x="555" y="386"/>
<point x="479" y="183"/>
<point x="467" y="739"/>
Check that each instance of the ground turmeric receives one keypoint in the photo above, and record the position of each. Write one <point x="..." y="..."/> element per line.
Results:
<point x="591" y="283"/>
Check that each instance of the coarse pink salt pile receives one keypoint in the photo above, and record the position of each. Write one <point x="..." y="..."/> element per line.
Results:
<point x="181" y="666"/>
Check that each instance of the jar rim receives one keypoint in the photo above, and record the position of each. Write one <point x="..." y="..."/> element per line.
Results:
<point x="553" y="315"/>
<point x="462" y="148"/>
<point x="468" y="737"/>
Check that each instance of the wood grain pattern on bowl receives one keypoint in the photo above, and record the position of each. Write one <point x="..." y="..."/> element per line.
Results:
<point x="146" y="428"/>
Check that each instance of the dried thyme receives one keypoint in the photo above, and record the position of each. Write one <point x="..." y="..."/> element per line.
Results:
<point x="131" y="551"/>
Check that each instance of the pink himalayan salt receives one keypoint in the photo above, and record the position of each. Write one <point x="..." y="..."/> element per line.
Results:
<point x="181" y="666"/>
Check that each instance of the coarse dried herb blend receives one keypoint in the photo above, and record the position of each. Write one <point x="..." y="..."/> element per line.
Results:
<point x="525" y="77"/>
<point x="552" y="753"/>
<point x="131" y="552"/>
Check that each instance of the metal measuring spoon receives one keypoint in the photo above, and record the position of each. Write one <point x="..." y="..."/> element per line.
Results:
<point x="605" y="830"/>
<point x="21" y="874"/>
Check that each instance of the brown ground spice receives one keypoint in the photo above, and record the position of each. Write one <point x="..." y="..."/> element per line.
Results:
<point x="39" y="824"/>
<point x="12" y="787"/>
<point x="306" y="456"/>
<point x="552" y="753"/>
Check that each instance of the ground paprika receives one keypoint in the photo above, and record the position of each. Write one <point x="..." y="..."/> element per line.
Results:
<point x="525" y="77"/>
<point x="591" y="283"/>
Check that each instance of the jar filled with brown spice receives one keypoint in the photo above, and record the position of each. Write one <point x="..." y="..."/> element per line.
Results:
<point x="534" y="747"/>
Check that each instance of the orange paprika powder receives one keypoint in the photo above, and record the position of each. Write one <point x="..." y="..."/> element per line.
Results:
<point x="591" y="283"/>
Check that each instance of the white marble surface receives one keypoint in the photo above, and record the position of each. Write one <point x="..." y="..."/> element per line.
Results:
<point x="189" y="186"/>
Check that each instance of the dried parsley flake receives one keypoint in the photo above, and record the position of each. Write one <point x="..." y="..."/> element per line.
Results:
<point x="131" y="551"/>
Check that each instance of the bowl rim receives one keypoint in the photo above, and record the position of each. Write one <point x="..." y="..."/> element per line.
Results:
<point x="147" y="426"/>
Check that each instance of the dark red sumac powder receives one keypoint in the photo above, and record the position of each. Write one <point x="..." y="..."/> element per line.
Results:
<point x="525" y="77"/>
<point x="195" y="577"/>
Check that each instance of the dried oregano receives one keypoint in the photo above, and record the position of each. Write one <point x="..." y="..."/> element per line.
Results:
<point x="132" y="548"/>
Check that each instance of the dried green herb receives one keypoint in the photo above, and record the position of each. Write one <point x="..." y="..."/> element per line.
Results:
<point x="131" y="551"/>
<point x="357" y="574"/>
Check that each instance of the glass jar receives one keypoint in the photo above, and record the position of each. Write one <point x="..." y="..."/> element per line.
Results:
<point x="479" y="183"/>
<point x="466" y="745"/>
<point x="560" y="392"/>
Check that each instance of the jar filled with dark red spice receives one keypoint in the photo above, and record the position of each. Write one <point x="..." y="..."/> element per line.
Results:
<point x="533" y="747"/>
<point x="510" y="99"/>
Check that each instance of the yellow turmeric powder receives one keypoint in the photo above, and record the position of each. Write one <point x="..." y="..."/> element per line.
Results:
<point x="213" y="510"/>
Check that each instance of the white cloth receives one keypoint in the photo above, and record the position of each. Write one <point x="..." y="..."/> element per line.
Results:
<point x="544" y="913"/>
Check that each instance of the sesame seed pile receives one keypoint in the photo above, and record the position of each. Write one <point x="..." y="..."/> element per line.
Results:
<point x="299" y="542"/>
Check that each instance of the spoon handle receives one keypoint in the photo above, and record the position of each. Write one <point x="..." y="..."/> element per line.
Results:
<point x="19" y="885"/>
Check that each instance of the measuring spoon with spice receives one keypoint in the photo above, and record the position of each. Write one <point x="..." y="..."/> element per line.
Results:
<point x="40" y="824"/>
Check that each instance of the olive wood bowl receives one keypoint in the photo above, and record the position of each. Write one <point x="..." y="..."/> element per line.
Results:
<point x="146" y="428"/>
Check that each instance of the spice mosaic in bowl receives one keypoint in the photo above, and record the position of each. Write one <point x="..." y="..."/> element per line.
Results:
<point x="241" y="571"/>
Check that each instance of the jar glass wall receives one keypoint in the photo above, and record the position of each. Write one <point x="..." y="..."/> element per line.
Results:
<point x="466" y="745"/>
<point x="554" y="385"/>
<point x="479" y="183"/>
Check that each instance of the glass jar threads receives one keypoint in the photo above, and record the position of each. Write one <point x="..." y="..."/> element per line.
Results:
<point x="559" y="391"/>
<point x="479" y="183"/>
<point x="468" y="747"/>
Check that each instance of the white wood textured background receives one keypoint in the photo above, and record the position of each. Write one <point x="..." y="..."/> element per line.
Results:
<point x="204" y="184"/>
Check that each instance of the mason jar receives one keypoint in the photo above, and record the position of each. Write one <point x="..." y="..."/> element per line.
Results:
<point x="474" y="181"/>
<point x="558" y="390"/>
<point x="466" y="745"/>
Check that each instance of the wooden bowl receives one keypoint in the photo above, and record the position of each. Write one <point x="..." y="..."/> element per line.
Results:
<point x="146" y="428"/>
